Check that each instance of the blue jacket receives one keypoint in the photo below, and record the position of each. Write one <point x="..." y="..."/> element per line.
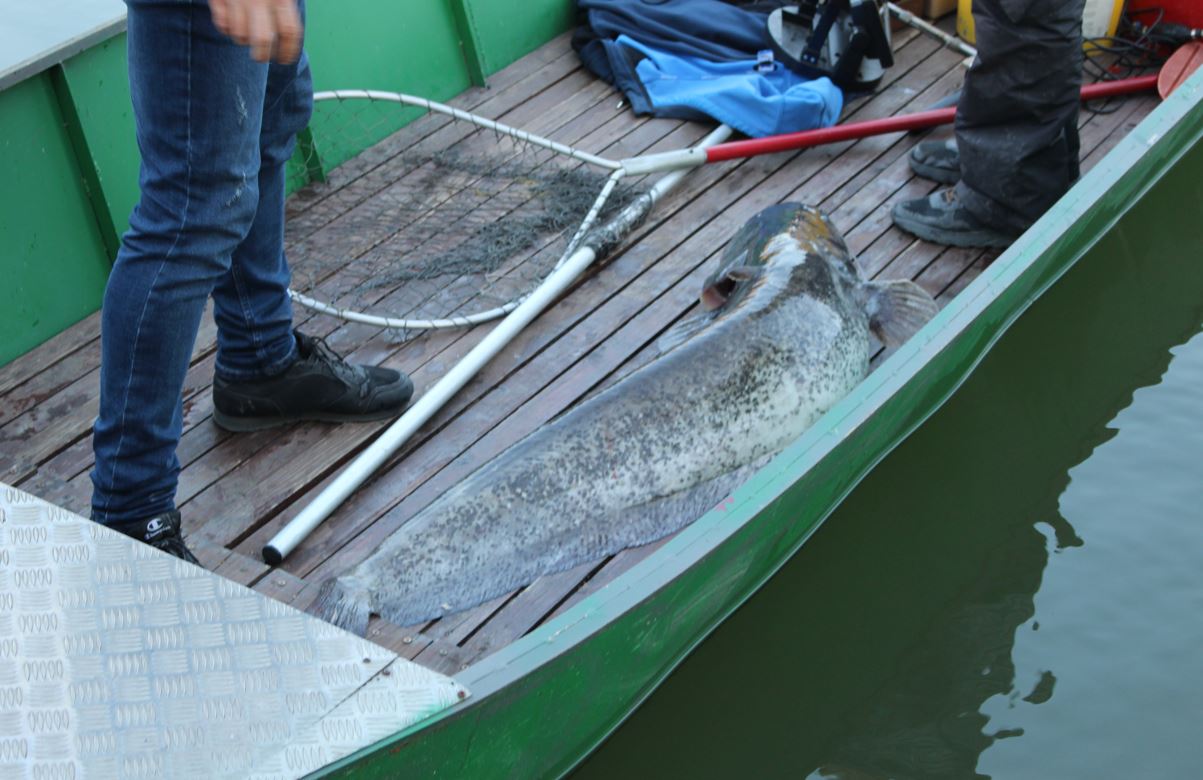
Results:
<point x="734" y="93"/>
<point x="695" y="59"/>
<point x="710" y="29"/>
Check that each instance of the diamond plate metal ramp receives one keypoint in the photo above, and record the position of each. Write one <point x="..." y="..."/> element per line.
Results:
<point x="119" y="661"/>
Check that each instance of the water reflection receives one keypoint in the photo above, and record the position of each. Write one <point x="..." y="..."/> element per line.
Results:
<point x="887" y="646"/>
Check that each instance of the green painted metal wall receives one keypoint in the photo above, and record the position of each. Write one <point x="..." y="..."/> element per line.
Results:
<point x="70" y="159"/>
<point x="507" y="32"/>
<point x="53" y="261"/>
<point x="95" y="99"/>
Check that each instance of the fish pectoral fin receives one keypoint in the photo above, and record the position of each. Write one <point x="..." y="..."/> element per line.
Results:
<point x="897" y="309"/>
<point x="683" y="331"/>
<point x="655" y="519"/>
<point x="347" y="607"/>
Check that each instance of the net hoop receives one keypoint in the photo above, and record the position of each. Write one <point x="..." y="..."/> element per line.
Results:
<point x="615" y="167"/>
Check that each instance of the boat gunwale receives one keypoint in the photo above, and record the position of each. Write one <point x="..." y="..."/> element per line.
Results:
<point x="80" y="40"/>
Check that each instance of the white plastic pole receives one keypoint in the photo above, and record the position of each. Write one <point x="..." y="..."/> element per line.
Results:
<point x="358" y="471"/>
<point x="951" y="41"/>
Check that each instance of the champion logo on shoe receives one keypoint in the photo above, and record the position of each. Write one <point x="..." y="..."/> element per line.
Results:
<point x="154" y="527"/>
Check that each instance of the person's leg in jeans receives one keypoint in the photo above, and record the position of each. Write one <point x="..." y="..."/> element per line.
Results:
<point x="264" y="375"/>
<point x="251" y="304"/>
<point x="1016" y="132"/>
<point x="200" y="105"/>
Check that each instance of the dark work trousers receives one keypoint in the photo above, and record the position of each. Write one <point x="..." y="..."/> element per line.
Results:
<point x="1017" y="119"/>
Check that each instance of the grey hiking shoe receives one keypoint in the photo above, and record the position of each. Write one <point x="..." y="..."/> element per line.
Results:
<point x="941" y="219"/>
<point x="318" y="386"/>
<point x="936" y="160"/>
<point x="161" y="532"/>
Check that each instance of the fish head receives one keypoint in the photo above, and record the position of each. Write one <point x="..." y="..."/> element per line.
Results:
<point x="788" y="247"/>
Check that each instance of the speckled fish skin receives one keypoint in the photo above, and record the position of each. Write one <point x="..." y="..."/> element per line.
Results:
<point x="788" y="337"/>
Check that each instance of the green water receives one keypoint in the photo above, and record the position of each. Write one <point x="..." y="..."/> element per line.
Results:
<point x="1016" y="591"/>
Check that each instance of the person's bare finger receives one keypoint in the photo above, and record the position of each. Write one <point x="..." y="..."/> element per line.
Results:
<point x="289" y="31"/>
<point x="220" y="12"/>
<point x="261" y="32"/>
<point x="236" y="22"/>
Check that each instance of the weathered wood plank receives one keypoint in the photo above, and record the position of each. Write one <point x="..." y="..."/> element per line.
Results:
<point x="21" y="369"/>
<point x="525" y="610"/>
<point x="612" y="569"/>
<point x="241" y="569"/>
<point x="402" y="641"/>
<point x="36" y="376"/>
<point x="59" y="421"/>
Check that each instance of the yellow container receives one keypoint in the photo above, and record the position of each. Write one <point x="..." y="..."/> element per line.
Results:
<point x="1099" y="18"/>
<point x="965" y="21"/>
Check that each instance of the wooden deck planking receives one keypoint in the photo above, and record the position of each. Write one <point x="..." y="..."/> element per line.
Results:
<point x="616" y="299"/>
<point x="238" y="490"/>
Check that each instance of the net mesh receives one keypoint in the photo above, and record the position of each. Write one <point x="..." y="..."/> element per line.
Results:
<point x="435" y="219"/>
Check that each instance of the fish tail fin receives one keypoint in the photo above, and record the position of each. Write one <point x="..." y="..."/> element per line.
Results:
<point x="898" y="309"/>
<point x="344" y="607"/>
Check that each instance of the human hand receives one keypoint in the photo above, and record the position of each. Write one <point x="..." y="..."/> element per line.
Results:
<point x="272" y="28"/>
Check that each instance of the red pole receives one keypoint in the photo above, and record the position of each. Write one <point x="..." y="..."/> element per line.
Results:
<point x="894" y="124"/>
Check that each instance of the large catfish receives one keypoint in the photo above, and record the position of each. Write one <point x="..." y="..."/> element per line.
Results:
<point x="784" y="335"/>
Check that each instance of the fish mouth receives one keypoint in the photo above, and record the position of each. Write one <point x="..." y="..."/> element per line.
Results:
<point x="716" y="294"/>
<point x="719" y="291"/>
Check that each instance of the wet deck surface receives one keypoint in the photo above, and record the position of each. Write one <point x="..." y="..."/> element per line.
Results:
<point x="236" y="491"/>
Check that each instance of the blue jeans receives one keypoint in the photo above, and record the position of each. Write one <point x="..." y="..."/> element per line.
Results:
<point x="215" y="130"/>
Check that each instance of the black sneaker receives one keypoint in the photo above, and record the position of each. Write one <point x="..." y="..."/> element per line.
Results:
<point x="161" y="532"/>
<point x="937" y="160"/>
<point x="941" y="219"/>
<point x="318" y="386"/>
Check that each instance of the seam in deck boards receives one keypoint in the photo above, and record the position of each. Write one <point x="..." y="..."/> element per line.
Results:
<point x="606" y="327"/>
